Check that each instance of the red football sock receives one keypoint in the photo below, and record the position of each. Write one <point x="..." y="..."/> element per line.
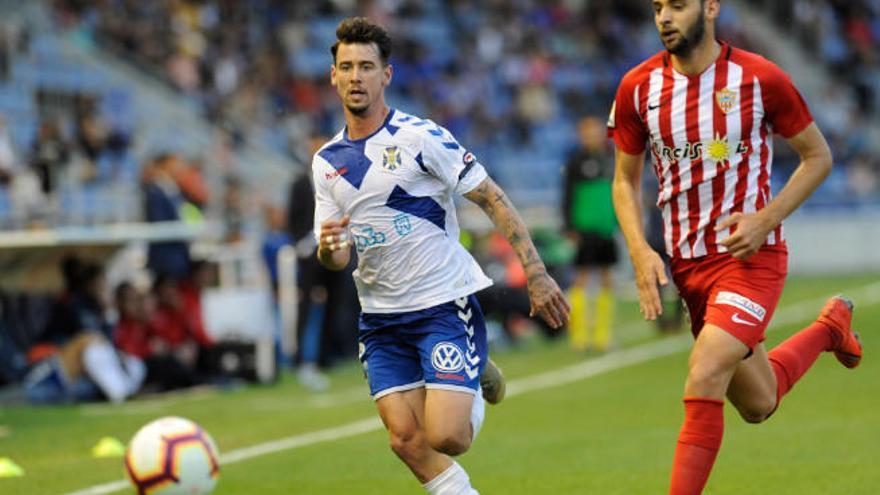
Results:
<point x="792" y="358"/>
<point x="698" y="444"/>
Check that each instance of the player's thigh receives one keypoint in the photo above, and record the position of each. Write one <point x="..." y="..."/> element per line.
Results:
<point x="753" y="386"/>
<point x="713" y="362"/>
<point x="448" y="414"/>
<point x="403" y="413"/>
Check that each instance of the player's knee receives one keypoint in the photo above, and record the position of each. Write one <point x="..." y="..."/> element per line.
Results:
<point x="758" y="411"/>
<point x="450" y="443"/>
<point x="407" y="443"/>
<point x="705" y="380"/>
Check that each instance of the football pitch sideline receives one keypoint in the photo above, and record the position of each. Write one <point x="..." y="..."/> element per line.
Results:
<point x="571" y="425"/>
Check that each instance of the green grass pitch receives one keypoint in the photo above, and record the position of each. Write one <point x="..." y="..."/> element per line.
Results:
<point x="609" y="433"/>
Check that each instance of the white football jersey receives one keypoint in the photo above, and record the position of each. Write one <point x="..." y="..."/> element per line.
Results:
<point x="397" y="186"/>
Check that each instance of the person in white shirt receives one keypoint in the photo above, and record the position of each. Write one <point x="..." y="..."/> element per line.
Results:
<point x="385" y="185"/>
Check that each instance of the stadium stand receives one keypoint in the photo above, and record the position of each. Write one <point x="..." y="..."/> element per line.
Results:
<point x="260" y="69"/>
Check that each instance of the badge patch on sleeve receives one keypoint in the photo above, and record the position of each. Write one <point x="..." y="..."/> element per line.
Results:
<point x="468" y="158"/>
<point x="744" y="303"/>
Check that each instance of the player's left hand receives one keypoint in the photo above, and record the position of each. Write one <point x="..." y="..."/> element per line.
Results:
<point x="751" y="233"/>
<point x="547" y="300"/>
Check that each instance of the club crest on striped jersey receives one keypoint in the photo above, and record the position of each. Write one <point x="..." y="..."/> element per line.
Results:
<point x="391" y="158"/>
<point x="727" y="100"/>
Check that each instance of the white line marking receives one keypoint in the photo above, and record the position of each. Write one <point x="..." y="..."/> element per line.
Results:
<point x="351" y="429"/>
<point x="793" y="313"/>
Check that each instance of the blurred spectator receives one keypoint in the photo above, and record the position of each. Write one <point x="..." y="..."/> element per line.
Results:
<point x="179" y="328"/>
<point x="589" y="221"/>
<point x="91" y="138"/>
<point x="134" y="333"/>
<point x="201" y="276"/>
<point x="163" y="201"/>
<point x="85" y="367"/>
<point x="324" y="336"/>
<point x="77" y="343"/>
<point x="82" y="305"/>
<point x="27" y="202"/>
<point x="275" y="240"/>
<point x="50" y="156"/>
<point x="233" y="209"/>
<point x="312" y="291"/>
<point x="8" y="160"/>
<point x="190" y="178"/>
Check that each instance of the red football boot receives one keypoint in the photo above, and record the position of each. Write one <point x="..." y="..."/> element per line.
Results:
<point x="837" y="314"/>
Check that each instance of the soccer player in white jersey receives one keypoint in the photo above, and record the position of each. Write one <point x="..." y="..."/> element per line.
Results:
<point x="706" y="112"/>
<point x="385" y="184"/>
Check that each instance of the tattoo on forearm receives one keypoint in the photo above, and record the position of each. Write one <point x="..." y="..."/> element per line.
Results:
<point x="498" y="207"/>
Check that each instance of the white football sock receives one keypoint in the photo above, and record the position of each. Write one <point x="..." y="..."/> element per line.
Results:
<point x="453" y="481"/>
<point x="478" y="414"/>
<point x="104" y="368"/>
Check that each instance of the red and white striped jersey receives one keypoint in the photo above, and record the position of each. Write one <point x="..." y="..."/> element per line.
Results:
<point x="710" y="138"/>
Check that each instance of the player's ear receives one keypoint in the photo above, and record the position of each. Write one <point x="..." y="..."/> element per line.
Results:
<point x="388" y="72"/>
<point x="333" y="75"/>
<point x="712" y="8"/>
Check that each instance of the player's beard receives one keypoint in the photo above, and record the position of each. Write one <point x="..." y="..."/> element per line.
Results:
<point x="358" y="110"/>
<point x="689" y="39"/>
<point x="358" y="106"/>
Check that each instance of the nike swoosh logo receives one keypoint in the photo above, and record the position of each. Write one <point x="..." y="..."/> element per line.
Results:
<point x="737" y="319"/>
<point x="653" y="107"/>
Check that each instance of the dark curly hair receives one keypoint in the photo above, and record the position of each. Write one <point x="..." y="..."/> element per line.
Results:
<point x="362" y="30"/>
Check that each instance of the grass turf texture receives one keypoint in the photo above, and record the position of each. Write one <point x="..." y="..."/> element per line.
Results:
<point x="609" y="434"/>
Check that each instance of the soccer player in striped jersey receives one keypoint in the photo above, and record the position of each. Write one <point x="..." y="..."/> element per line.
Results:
<point x="706" y="113"/>
<point x="385" y="184"/>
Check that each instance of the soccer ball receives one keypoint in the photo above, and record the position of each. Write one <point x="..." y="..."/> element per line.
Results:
<point x="172" y="456"/>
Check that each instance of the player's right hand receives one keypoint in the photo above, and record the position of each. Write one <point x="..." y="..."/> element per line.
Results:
<point x="650" y="274"/>
<point x="334" y="235"/>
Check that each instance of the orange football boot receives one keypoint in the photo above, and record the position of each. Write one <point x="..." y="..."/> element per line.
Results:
<point x="837" y="314"/>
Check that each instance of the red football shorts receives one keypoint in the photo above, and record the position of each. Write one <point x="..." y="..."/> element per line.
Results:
<point x="737" y="296"/>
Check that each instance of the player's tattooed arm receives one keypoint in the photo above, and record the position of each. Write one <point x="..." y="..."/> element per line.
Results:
<point x="546" y="297"/>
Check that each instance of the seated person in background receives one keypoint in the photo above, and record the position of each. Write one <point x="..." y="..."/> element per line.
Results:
<point x="200" y="277"/>
<point x="135" y="335"/>
<point x="76" y="344"/>
<point x="178" y="328"/>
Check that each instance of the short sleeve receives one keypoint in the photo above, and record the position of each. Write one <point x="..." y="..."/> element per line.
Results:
<point x="784" y="106"/>
<point x="325" y="207"/>
<point x="624" y="124"/>
<point x="450" y="162"/>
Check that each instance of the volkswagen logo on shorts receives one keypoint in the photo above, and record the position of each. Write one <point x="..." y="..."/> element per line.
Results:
<point x="447" y="357"/>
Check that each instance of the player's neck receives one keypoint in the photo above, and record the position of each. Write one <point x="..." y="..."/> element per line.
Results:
<point x="699" y="59"/>
<point x="361" y="126"/>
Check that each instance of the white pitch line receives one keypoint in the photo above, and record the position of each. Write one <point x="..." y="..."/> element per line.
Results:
<point x="864" y="296"/>
<point x="351" y="429"/>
